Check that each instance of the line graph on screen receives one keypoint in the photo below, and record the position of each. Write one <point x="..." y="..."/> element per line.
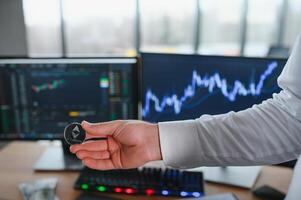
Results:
<point x="213" y="84"/>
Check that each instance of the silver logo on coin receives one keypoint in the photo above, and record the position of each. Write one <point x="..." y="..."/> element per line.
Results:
<point x="74" y="134"/>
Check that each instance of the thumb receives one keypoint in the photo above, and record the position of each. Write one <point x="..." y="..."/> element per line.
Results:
<point x="100" y="129"/>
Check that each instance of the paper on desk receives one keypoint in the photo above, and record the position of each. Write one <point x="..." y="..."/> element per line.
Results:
<point x="43" y="189"/>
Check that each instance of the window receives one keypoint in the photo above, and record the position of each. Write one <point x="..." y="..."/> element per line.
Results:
<point x="43" y="27"/>
<point x="108" y="28"/>
<point x="293" y="22"/>
<point x="167" y="25"/>
<point x="220" y="26"/>
<point x="262" y="31"/>
<point x="99" y="27"/>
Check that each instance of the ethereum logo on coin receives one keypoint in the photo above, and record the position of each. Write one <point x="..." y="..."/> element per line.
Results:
<point x="74" y="134"/>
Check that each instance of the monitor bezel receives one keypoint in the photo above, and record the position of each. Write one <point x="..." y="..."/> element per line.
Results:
<point x="79" y="60"/>
<point x="141" y="67"/>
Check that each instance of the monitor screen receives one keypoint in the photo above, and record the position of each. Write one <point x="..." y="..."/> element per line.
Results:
<point x="39" y="97"/>
<point x="179" y="87"/>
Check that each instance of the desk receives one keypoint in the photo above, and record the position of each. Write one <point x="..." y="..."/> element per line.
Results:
<point x="18" y="158"/>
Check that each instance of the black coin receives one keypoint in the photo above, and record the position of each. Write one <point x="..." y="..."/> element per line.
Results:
<point x="74" y="134"/>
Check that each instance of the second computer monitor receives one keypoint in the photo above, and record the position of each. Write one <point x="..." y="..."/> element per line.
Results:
<point x="179" y="87"/>
<point x="39" y="97"/>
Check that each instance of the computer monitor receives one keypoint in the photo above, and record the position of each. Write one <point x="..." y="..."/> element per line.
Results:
<point x="179" y="87"/>
<point x="39" y="97"/>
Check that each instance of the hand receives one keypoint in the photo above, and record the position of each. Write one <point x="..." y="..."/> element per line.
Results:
<point x="129" y="144"/>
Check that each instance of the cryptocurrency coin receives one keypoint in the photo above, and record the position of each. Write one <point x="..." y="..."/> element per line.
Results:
<point x="74" y="134"/>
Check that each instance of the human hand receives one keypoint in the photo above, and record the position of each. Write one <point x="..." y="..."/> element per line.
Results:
<point x="129" y="144"/>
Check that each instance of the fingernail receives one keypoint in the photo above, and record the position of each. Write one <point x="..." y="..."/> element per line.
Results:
<point x="71" y="149"/>
<point x="85" y="123"/>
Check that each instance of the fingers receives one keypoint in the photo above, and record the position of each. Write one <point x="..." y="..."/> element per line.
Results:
<point x="100" y="129"/>
<point x="99" y="164"/>
<point x="101" y="145"/>
<point x="93" y="155"/>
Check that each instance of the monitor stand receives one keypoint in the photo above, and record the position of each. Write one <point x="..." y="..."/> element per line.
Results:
<point x="3" y="144"/>
<point x="58" y="158"/>
<point x="239" y="176"/>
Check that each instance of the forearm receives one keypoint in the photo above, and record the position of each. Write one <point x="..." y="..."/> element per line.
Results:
<point x="263" y="134"/>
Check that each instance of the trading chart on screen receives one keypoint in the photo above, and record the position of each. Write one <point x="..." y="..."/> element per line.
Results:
<point x="38" y="99"/>
<point x="177" y="87"/>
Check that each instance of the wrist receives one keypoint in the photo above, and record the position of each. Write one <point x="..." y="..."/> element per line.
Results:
<point x="154" y="143"/>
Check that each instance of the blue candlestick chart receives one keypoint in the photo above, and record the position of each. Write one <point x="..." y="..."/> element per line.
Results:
<point x="212" y="83"/>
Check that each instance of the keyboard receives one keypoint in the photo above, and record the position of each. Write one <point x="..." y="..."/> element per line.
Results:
<point x="143" y="181"/>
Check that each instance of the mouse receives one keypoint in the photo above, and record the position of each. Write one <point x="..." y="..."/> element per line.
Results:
<point x="268" y="193"/>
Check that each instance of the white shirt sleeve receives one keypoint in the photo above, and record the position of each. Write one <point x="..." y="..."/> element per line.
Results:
<point x="268" y="133"/>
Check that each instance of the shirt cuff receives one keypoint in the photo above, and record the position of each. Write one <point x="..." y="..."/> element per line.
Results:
<point x="179" y="143"/>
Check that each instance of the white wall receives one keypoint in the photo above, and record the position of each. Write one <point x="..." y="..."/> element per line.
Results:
<point x="12" y="29"/>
